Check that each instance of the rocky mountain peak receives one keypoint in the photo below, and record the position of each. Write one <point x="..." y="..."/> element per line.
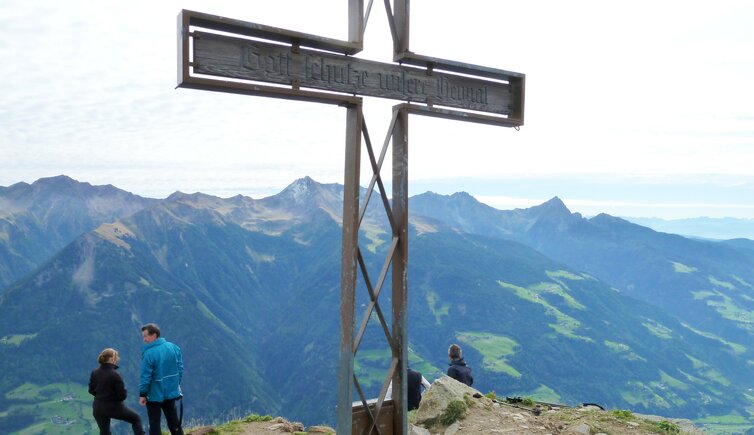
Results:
<point x="306" y="191"/>
<point x="59" y="181"/>
<point x="192" y="197"/>
<point x="300" y="189"/>
<point x="552" y="208"/>
<point x="464" y="198"/>
<point x="65" y="192"/>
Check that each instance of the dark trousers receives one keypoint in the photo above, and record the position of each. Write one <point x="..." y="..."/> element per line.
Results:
<point x="169" y="408"/>
<point x="104" y="411"/>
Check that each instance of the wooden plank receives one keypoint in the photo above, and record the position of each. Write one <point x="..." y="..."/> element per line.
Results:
<point x="410" y="58"/>
<point x="254" y="89"/>
<point x="399" y="264"/>
<point x="237" y="58"/>
<point x="362" y="422"/>
<point x="457" y="115"/>
<point x="230" y="25"/>
<point x="355" y="23"/>
<point x="348" y="272"/>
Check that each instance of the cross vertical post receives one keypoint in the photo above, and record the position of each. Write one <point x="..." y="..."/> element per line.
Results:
<point x="350" y="243"/>
<point x="349" y="255"/>
<point x="356" y="21"/>
<point x="400" y="270"/>
<point x="402" y="21"/>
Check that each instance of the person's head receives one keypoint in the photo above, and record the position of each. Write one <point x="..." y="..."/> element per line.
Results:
<point x="454" y="352"/>
<point x="150" y="332"/>
<point x="108" y="355"/>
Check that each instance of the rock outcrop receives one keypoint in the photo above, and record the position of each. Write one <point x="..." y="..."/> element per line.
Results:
<point x="435" y="401"/>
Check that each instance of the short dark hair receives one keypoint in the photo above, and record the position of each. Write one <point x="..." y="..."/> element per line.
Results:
<point x="454" y="351"/>
<point x="151" y="329"/>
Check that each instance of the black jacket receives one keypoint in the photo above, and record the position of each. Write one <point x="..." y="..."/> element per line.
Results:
<point x="105" y="384"/>
<point x="414" y="384"/>
<point x="460" y="372"/>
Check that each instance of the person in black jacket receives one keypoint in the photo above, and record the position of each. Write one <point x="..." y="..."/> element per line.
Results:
<point x="414" y="383"/>
<point x="458" y="369"/>
<point x="109" y="392"/>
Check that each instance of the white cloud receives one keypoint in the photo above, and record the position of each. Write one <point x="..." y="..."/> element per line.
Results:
<point x="612" y="88"/>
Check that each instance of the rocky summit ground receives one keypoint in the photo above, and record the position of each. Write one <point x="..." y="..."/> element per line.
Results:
<point x="502" y="419"/>
<point x="483" y="418"/>
<point x="451" y="408"/>
<point x="260" y="425"/>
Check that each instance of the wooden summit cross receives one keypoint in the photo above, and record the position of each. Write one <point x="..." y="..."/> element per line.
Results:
<point x="272" y="62"/>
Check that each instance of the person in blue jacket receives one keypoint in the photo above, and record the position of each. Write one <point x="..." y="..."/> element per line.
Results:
<point x="458" y="369"/>
<point x="160" y="380"/>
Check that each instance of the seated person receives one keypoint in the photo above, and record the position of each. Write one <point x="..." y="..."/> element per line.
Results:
<point x="415" y="381"/>
<point x="458" y="369"/>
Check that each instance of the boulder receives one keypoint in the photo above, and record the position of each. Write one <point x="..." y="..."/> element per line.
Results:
<point x="443" y="391"/>
<point x="686" y="426"/>
<point x="283" y="425"/>
<point x="581" y="429"/>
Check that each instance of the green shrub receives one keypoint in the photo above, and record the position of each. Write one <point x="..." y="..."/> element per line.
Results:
<point x="668" y="427"/>
<point x="467" y="398"/>
<point x="229" y="428"/>
<point x="491" y="395"/>
<point x="622" y="414"/>
<point x="454" y="412"/>
<point x="412" y="416"/>
<point x="527" y="401"/>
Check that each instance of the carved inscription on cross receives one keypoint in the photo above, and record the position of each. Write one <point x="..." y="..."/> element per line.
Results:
<point x="226" y="55"/>
<point x="236" y="58"/>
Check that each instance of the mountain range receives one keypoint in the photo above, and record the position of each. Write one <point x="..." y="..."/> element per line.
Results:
<point x="701" y="227"/>
<point x="37" y="220"/>
<point x="546" y="303"/>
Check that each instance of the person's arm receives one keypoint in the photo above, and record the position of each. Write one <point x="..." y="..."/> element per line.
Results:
<point x="120" y="388"/>
<point x="145" y="378"/>
<point x="452" y="372"/>
<point x="179" y="358"/>
<point x="92" y="385"/>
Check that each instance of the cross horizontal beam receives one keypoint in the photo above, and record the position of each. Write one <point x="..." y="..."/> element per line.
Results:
<point x="237" y="63"/>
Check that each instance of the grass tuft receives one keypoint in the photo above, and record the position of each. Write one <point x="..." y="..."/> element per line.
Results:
<point x="622" y="414"/>
<point x="253" y="418"/>
<point x="668" y="427"/>
<point x="455" y="411"/>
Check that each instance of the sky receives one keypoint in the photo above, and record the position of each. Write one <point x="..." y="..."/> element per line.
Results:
<point x="639" y="108"/>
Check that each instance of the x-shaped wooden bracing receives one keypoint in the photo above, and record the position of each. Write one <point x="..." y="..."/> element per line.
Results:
<point x="374" y="291"/>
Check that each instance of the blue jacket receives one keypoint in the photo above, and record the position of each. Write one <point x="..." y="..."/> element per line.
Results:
<point x="161" y="371"/>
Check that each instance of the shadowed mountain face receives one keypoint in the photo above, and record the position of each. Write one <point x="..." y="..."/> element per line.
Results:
<point x="39" y="219"/>
<point x="250" y="290"/>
